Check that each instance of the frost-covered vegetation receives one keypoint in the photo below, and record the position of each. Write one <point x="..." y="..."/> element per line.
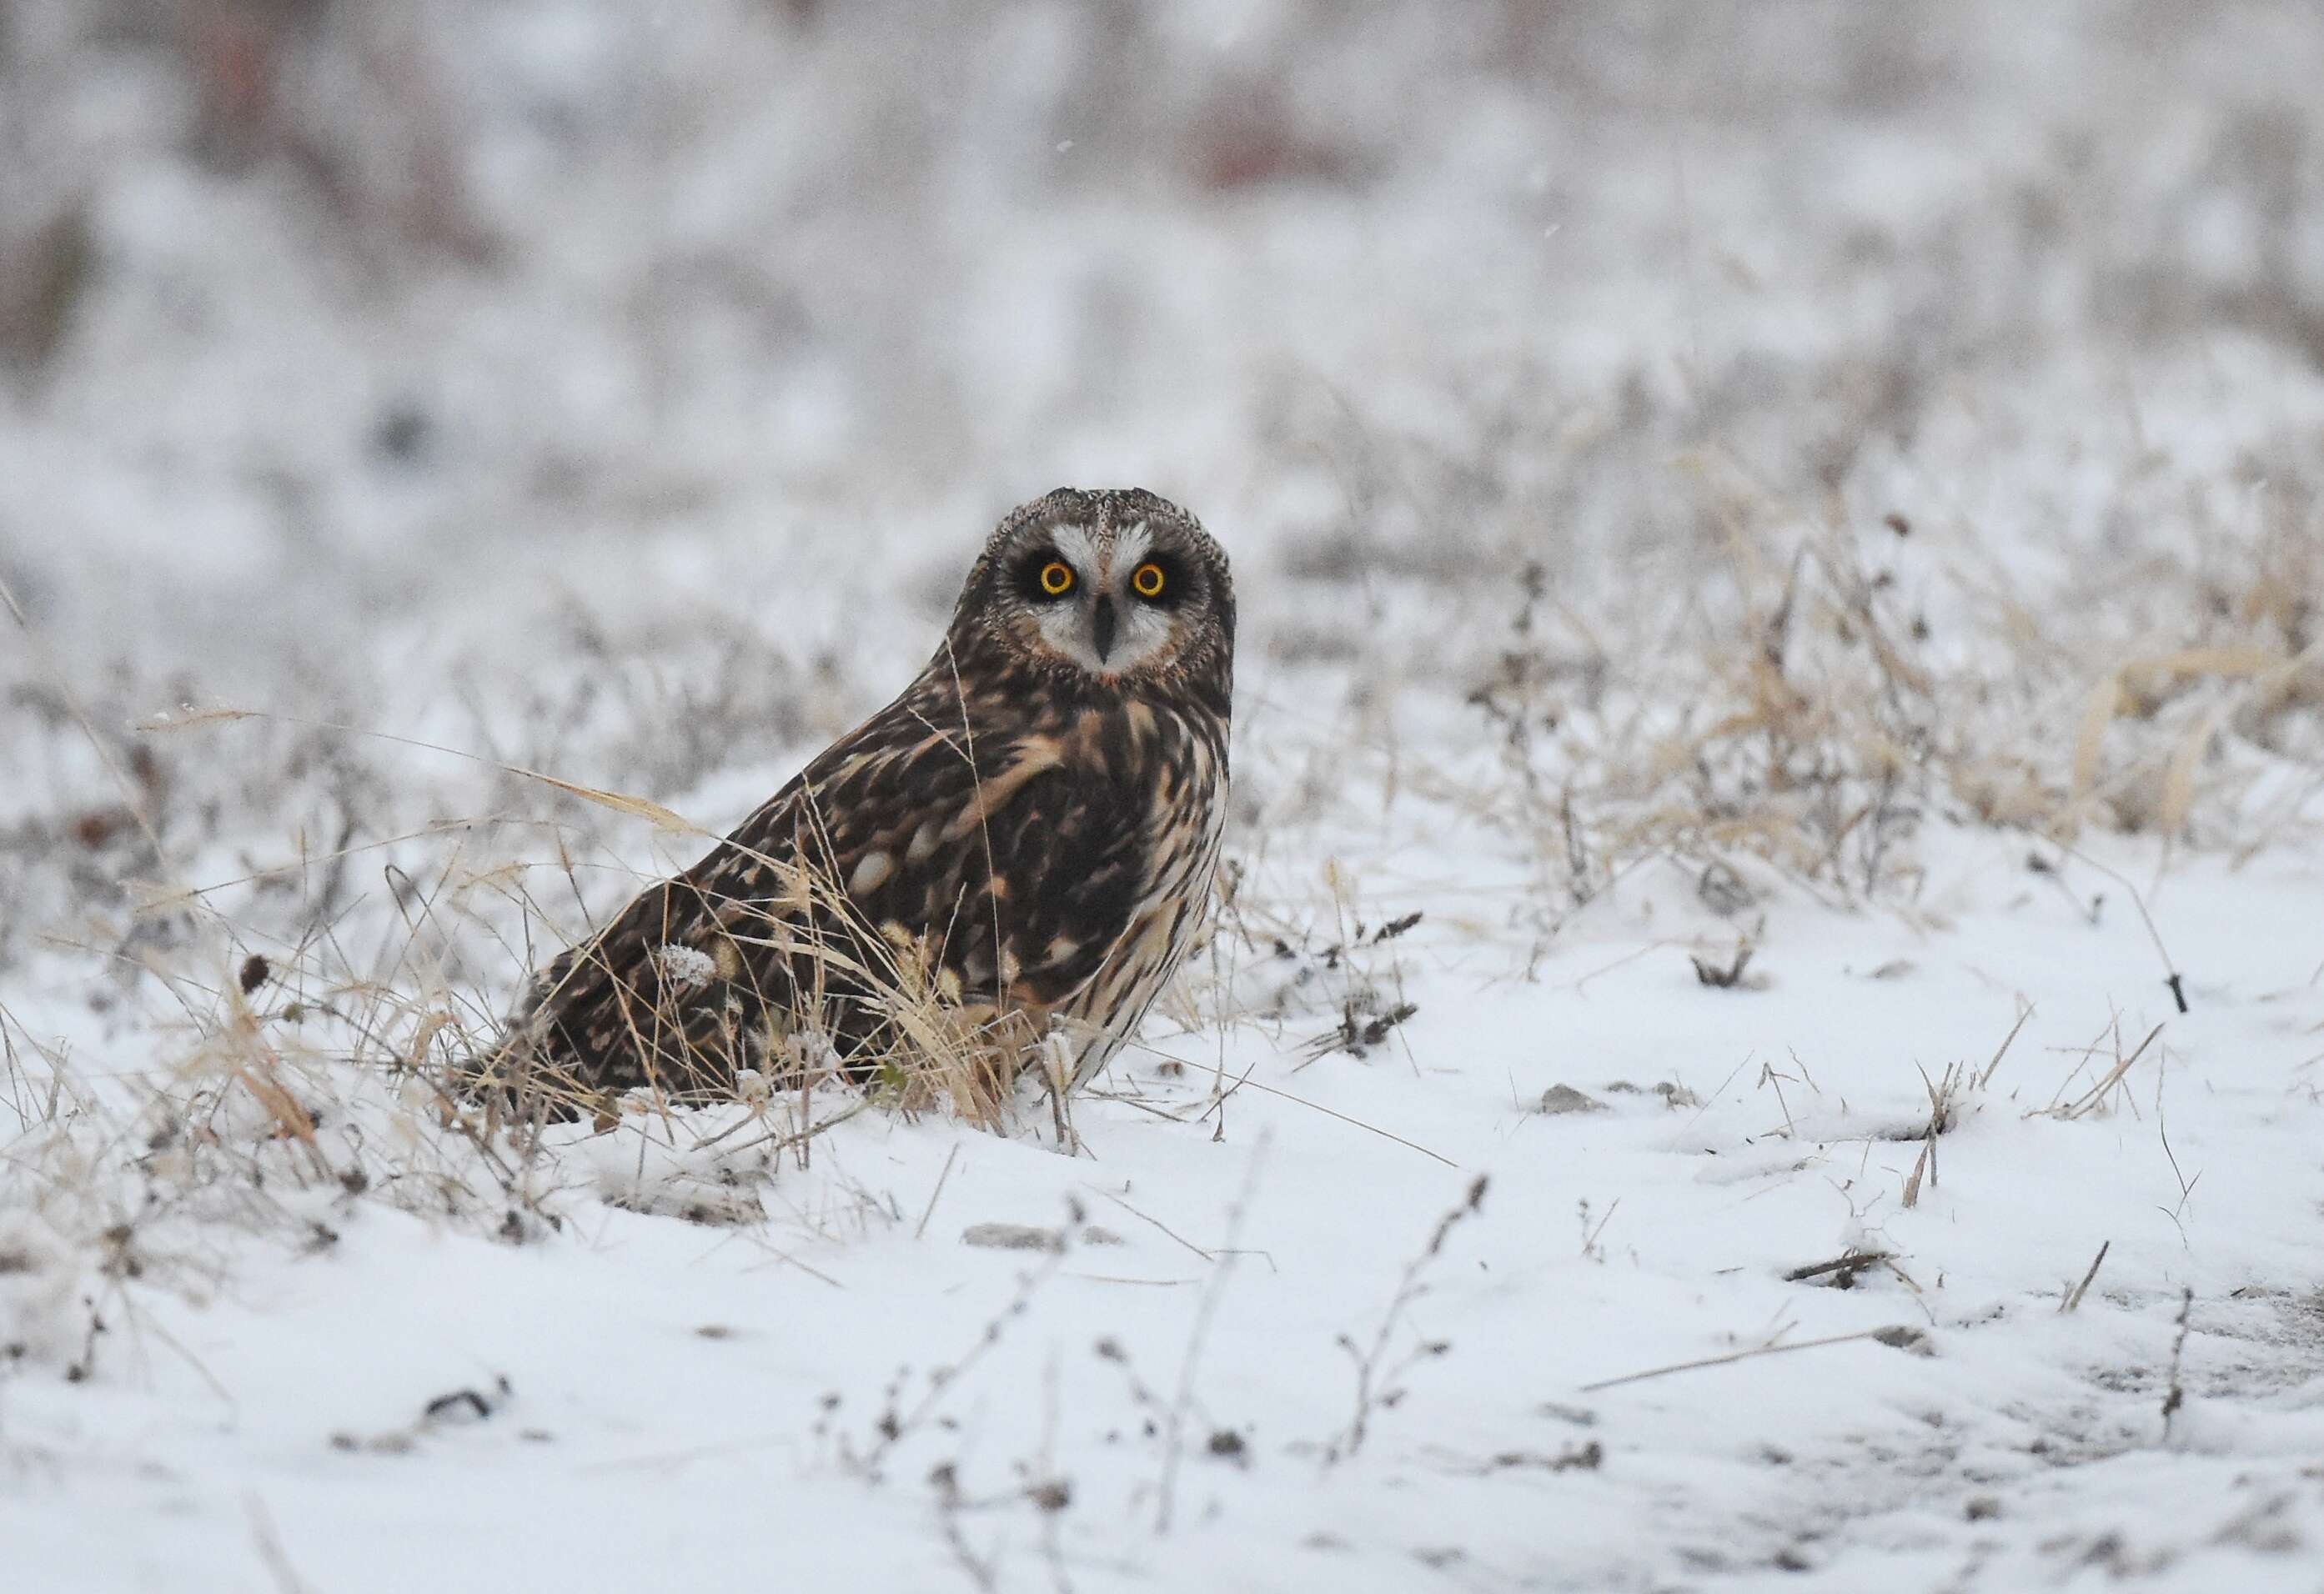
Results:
<point x="1767" y="1020"/>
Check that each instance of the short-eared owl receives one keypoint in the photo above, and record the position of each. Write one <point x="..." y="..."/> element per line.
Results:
<point x="1024" y="841"/>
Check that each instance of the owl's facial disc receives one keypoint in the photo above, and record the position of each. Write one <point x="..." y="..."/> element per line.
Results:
<point x="1115" y="586"/>
<point x="1096" y="600"/>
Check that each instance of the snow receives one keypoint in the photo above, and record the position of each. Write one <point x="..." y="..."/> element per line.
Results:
<point x="699" y="1405"/>
<point x="684" y="968"/>
<point x="1700" y="484"/>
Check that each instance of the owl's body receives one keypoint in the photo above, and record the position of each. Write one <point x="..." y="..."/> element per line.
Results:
<point x="1023" y="842"/>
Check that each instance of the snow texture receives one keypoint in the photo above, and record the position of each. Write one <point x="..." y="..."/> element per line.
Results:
<point x="1768" y="1026"/>
<point x="684" y="968"/>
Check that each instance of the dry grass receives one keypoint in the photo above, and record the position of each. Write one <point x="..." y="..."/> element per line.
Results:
<point x="1788" y="722"/>
<point x="1798" y="710"/>
<point x="316" y="1075"/>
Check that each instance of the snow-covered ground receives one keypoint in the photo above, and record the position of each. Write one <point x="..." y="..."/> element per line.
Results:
<point x="1790" y="537"/>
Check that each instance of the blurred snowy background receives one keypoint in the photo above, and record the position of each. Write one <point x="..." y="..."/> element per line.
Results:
<point x="312" y="310"/>
<point x="1790" y="446"/>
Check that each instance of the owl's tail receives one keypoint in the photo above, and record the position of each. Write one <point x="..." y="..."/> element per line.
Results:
<point x="658" y="998"/>
<point x="686" y="988"/>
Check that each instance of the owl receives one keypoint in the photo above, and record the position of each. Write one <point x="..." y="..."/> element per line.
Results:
<point x="1011" y="859"/>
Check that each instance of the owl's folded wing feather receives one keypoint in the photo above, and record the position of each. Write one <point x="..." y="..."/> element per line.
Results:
<point x="899" y="862"/>
<point x="1018" y="866"/>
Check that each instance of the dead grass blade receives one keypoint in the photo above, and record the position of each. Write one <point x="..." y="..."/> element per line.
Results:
<point x="2095" y="1096"/>
<point x="640" y="807"/>
<point x="1903" y="1338"/>
<point x="2073" y="1297"/>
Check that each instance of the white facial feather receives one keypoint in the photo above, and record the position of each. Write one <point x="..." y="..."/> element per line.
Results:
<point x="1077" y="547"/>
<point x="1141" y="631"/>
<point x="1129" y="548"/>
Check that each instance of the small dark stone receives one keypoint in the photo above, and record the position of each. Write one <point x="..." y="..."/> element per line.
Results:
<point x="1723" y="890"/>
<point x="403" y="433"/>
<point x="1904" y="1337"/>
<point x="1560" y="1099"/>
<point x="1012" y="1237"/>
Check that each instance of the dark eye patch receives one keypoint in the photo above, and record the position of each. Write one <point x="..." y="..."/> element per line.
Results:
<point x="1028" y="576"/>
<point x="1177" y="580"/>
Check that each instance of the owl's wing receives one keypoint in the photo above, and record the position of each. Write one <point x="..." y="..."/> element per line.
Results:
<point x="1016" y="861"/>
<point x="992" y="870"/>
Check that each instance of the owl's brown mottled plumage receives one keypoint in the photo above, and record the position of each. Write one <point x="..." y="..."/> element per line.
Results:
<point x="1022" y="843"/>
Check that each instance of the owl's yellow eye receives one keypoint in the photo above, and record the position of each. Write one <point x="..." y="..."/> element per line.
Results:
<point x="1146" y="579"/>
<point x="1057" y="578"/>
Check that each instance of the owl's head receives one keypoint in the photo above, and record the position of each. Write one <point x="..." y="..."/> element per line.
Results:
<point x="1116" y="585"/>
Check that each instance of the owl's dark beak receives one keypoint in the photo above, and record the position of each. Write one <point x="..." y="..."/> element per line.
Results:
<point x="1102" y="629"/>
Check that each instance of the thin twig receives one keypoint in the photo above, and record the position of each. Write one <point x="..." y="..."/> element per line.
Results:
<point x="2096" y="1093"/>
<point x="951" y="1158"/>
<point x="2138" y="900"/>
<point x="1847" y="1266"/>
<point x="1174" y="1451"/>
<point x="1881" y="1334"/>
<point x="1157" y="1222"/>
<point x="2074" y="1296"/>
<point x="2002" y="1050"/>
<point x="1368" y="1376"/>
<point x="894" y="1429"/>
<point x="270" y="1553"/>
<point x="2176" y="1398"/>
<point x="1248" y="1084"/>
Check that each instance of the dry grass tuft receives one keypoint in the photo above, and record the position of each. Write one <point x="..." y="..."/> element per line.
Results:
<point x="922" y="1048"/>
<point x="320" y="1077"/>
<point x="1800" y="707"/>
<point x="1799" y="725"/>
